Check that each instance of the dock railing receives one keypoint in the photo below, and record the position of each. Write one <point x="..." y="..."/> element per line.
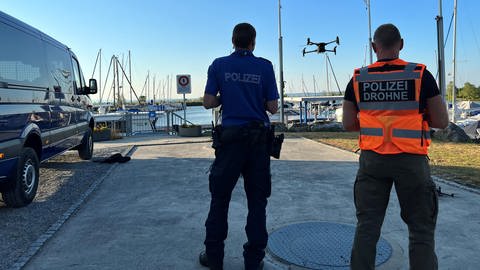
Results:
<point x="133" y="123"/>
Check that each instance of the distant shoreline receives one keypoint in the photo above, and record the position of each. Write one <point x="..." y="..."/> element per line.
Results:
<point x="194" y="103"/>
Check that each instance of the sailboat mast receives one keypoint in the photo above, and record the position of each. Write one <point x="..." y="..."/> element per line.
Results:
<point x="114" y="79"/>
<point x="100" y="72"/>
<point x="122" y="84"/>
<point x="327" y="76"/>
<point x="441" y="51"/>
<point x="369" y="31"/>
<point x="153" y="90"/>
<point x="280" y="49"/>
<point x="118" y="81"/>
<point x="130" y="74"/>
<point x="148" y="87"/>
<point x="454" y="88"/>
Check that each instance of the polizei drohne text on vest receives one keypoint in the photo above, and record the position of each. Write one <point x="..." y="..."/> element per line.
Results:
<point x="387" y="90"/>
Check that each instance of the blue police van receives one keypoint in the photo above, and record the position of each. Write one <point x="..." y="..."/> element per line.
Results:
<point x="45" y="109"/>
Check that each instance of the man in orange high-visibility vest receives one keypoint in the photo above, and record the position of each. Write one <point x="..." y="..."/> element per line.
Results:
<point x="393" y="104"/>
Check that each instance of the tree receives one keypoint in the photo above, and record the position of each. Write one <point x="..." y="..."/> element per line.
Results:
<point x="448" y="95"/>
<point x="469" y="92"/>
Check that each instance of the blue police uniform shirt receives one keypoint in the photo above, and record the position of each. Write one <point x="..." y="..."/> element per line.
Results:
<point x="245" y="83"/>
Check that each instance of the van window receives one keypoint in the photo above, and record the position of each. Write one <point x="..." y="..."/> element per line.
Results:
<point x="60" y="68"/>
<point x="21" y="58"/>
<point x="79" y="81"/>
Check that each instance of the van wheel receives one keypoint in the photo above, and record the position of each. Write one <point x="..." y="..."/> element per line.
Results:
<point x="25" y="184"/>
<point x="85" y="149"/>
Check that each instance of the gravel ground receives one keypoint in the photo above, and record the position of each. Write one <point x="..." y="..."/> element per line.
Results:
<point x="63" y="180"/>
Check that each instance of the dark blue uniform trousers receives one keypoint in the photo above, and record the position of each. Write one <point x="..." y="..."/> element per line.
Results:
<point x="245" y="154"/>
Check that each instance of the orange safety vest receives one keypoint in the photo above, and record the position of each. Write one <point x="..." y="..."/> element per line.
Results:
<point x="388" y="102"/>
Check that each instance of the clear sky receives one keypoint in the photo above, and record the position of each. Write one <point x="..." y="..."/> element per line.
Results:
<point x="169" y="37"/>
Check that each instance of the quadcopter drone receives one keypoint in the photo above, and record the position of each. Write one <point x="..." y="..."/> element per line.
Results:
<point x="321" y="46"/>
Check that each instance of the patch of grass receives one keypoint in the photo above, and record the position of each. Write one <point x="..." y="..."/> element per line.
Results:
<point x="344" y="140"/>
<point x="459" y="162"/>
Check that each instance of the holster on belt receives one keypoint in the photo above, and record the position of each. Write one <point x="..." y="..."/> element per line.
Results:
<point x="275" y="142"/>
<point x="216" y="134"/>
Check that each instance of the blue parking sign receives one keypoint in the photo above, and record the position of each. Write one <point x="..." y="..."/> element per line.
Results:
<point x="152" y="114"/>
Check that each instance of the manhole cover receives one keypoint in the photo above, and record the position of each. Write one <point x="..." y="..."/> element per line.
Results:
<point x="319" y="245"/>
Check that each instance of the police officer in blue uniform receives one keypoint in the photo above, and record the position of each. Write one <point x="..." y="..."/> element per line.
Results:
<point x="245" y="87"/>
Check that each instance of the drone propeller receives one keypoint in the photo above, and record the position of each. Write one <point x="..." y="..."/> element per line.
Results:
<point x="305" y="51"/>
<point x="334" y="50"/>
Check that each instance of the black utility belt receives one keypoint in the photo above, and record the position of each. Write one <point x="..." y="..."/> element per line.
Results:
<point x="243" y="129"/>
<point x="240" y="133"/>
<point x="249" y="126"/>
<point x="248" y="133"/>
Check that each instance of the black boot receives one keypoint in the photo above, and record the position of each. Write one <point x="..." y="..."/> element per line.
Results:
<point x="203" y="259"/>
<point x="259" y="267"/>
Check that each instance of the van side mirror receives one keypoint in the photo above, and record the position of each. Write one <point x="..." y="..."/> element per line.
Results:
<point x="92" y="86"/>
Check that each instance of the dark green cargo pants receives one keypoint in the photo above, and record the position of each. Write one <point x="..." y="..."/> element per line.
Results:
<point x="418" y="202"/>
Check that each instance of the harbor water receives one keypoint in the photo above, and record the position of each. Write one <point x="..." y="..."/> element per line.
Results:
<point x="198" y="115"/>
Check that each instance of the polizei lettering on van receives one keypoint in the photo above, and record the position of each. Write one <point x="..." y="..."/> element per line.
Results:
<point x="239" y="77"/>
<point x="381" y="91"/>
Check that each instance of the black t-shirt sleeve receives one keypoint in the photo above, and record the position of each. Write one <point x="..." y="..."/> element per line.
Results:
<point x="350" y="93"/>
<point x="429" y="85"/>
<point x="429" y="89"/>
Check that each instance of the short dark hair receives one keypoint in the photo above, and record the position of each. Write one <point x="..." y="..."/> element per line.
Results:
<point x="243" y="35"/>
<point x="387" y="35"/>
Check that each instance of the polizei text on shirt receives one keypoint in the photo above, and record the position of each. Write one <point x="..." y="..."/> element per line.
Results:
<point x="242" y="77"/>
<point x="388" y="90"/>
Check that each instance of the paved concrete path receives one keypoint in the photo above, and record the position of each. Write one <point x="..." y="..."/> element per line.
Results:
<point x="149" y="213"/>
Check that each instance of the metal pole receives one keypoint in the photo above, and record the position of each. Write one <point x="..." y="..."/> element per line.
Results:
<point x="121" y="93"/>
<point x="154" y="76"/>
<point x="301" y="111"/>
<point x="369" y="31"/>
<point x="441" y="51"/>
<point x="306" y="111"/>
<point x="118" y="81"/>
<point x="123" y="77"/>
<point x="327" y="76"/>
<point x="148" y="87"/>
<point x="454" y="88"/>
<point x="168" y="121"/>
<point x="280" y="48"/>
<point x="100" y="74"/>
<point x="184" y="110"/>
<point x="130" y="74"/>
<point x="114" y="79"/>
